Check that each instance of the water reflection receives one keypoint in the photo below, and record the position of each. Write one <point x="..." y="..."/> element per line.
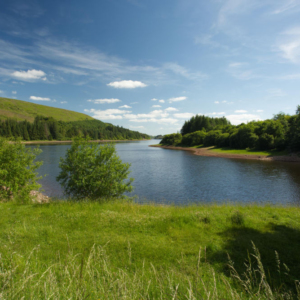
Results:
<point x="169" y="176"/>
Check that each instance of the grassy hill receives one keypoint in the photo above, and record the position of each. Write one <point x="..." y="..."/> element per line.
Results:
<point x="22" y="110"/>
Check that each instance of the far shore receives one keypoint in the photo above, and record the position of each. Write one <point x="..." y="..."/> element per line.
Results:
<point x="207" y="152"/>
<point x="70" y="141"/>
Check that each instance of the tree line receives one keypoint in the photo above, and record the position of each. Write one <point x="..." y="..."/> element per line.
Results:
<point x="48" y="128"/>
<point x="281" y="132"/>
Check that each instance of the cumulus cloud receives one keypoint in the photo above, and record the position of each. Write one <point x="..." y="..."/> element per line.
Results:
<point x="63" y="102"/>
<point x="183" y="115"/>
<point x="14" y="92"/>
<point x="161" y="101"/>
<point x="216" y="113"/>
<point x="136" y="127"/>
<point x="241" y="111"/>
<point x="176" y="99"/>
<point x="39" y="98"/>
<point x="217" y="102"/>
<point x="125" y="106"/>
<point x="171" y="109"/>
<point x="127" y="84"/>
<point x="30" y="75"/>
<point x="154" y="99"/>
<point x="102" y="101"/>
<point x="155" y="116"/>
<point x="156" y="105"/>
<point x="259" y="110"/>
<point x="108" y="114"/>
<point x="242" y="118"/>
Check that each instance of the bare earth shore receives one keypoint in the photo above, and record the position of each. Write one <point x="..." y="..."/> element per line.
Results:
<point x="206" y="152"/>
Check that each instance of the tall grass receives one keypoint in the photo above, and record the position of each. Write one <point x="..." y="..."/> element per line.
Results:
<point x="130" y="251"/>
<point x="92" y="276"/>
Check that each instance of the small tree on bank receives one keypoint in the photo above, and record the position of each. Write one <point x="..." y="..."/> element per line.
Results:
<point x="94" y="171"/>
<point x="17" y="171"/>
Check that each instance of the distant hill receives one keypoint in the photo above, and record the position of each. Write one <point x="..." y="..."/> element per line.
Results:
<point x="22" y="110"/>
<point x="31" y="122"/>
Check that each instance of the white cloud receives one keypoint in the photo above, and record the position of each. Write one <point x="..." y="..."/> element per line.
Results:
<point x="125" y="106"/>
<point x="276" y="92"/>
<point x="1" y="92"/>
<point x="102" y="101"/>
<point x="127" y="84"/>
<point x="176" y="99"/>
<point x="161" y="101"/>
<point x="179" y="70"/>
<point x="242" y="118"/>
<point x="30" y="75"/>
<point x="108" y="114"/>
<point x="153" y="99"/>
<point x="288" y="5"/>
<point x="241" y="111"/>
<point x="259" y="110"/>
<point x="14" y="92"/>
<point x="184" y="115"/>
<point x="216" y="113"/>
<point x="171" y="109"/>
<point x="136" y="127"/>
<point x="289" y="45"/>
<point x="63" y="102"/>
<point x="217" y="102"/>
<point x="156" y="105"/>
<point x="39" y="98"/>
<point x="133" y="102"/>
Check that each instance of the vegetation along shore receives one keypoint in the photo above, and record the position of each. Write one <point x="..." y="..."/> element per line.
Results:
<point x="277" y="139"/>
<point x="229" y="153"/>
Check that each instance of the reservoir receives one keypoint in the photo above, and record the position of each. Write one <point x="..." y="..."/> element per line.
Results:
<point x="179" y="177"/>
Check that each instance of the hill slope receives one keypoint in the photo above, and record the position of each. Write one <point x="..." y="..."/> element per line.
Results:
<point x="22" y="110"/>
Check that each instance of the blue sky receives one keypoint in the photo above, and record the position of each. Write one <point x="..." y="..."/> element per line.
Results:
<point x="148" y="65"/>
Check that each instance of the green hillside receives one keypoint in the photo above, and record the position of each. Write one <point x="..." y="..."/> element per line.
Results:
<point x="22" y="110"/>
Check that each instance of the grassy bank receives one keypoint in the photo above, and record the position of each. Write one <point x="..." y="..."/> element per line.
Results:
<point x="226" y="150"/>
<point x="130" y="251"/>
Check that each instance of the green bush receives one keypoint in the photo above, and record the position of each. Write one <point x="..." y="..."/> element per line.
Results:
<point x="17" y="171"/>
<point x="194" y="138"/>
<point x="93" y="171"/>
<point x="171" y="139"/>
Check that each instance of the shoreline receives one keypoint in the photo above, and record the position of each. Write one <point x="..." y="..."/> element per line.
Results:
<point x="70" y="142"/>
<point x="206" y="152"/>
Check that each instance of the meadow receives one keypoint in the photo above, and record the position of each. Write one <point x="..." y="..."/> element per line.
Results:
<point x="125" y="250"/>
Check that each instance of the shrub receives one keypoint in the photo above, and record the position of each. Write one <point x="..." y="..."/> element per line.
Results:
<point x="194" y="138"/>
<point x="171" y="139"/>
<point x="266" y="141"/>
<point x="17" y="171"/>
<point x="93" y="171"/>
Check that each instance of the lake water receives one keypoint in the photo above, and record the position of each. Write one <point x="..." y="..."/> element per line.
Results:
<point x="179" y="177"/>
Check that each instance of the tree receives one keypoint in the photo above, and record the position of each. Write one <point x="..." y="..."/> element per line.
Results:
<point x="94" y="171"/>
<point x="17" y="170"/>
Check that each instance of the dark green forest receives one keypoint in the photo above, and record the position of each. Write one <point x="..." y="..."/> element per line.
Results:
<point x="281" y="132"/>
<point x="48" y="128"/>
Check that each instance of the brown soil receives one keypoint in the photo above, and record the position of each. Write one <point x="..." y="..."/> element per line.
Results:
<point x="206" y="152"/>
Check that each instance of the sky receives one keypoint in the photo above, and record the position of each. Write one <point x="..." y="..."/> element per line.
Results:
<point x="149" y="65"/>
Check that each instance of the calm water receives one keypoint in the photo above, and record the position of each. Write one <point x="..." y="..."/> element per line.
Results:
<point x="170" y="176"/>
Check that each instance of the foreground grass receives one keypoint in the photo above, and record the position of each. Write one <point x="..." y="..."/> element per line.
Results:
<point x="124" y="250"/>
